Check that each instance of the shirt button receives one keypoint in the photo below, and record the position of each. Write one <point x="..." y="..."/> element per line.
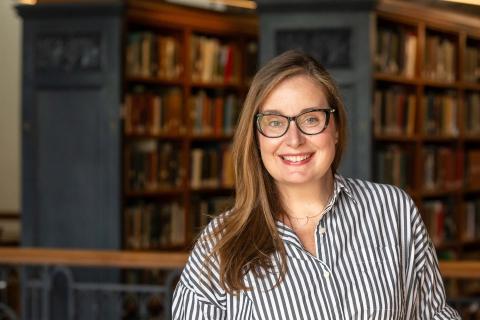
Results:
<point x="322" y="230"/>
<point x="326" y="274"/>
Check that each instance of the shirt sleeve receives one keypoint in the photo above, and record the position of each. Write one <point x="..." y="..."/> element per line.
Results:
<point x="426" y="282"/>
<point x="187" y="305"/>
<point x="432" y="301"/>
<point x="198" y="294"/>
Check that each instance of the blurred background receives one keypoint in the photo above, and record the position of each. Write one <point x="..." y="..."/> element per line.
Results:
<point x="116" y="120"/>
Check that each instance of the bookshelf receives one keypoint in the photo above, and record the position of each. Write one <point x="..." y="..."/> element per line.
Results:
<point x="426" y="121"/>
<point x="426" y="90"/>
<point x="186" y="72"/>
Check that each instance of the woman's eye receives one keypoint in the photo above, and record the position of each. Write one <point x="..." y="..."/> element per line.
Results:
<point x="311" y="120"/>
<point x="275" y="123"/>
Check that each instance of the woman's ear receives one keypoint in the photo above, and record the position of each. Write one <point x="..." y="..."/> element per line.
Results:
<point x="336" y="137"/>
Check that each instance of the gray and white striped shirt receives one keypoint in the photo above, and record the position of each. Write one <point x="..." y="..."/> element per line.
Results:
<point x="374" y="260"/>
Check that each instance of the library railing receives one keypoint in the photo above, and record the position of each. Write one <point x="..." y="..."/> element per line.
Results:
<point x="86" y="284"/>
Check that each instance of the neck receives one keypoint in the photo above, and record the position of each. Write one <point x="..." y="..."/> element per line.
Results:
<point x="307" y="200"/>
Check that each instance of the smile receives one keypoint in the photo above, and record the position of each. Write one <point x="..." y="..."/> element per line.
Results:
<point x="296" y="158"/>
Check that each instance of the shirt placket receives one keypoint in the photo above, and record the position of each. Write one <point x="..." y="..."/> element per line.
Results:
<point x="324" y="257"/>
<point x="326" y="274"/>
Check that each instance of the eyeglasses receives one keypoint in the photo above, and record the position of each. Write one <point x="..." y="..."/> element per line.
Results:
<point x="310" y="122"/>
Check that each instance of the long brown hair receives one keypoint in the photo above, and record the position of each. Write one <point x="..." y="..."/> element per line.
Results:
<point x="247" y="237"/>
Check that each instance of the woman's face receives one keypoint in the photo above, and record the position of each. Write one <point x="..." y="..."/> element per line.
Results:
<point x="296" y="158"/>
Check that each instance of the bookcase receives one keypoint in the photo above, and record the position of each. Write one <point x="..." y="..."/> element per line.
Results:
<point x="426" y="120"/>
<point x="186" y="72"/>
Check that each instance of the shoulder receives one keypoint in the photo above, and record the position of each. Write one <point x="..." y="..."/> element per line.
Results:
<point x="383" y="201"/>
<point x="377" y="193"/>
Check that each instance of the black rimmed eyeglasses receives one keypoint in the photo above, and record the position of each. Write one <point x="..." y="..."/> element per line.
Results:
<point x="309" y="122"/>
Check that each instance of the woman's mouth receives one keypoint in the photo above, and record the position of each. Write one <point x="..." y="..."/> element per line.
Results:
<point x="296" y="158"/>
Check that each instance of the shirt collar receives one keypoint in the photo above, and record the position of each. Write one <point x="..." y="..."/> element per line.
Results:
<point x="340" y="185"/>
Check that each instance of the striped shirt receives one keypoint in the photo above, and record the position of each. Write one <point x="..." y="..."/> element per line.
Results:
<point x="374" y="260"/>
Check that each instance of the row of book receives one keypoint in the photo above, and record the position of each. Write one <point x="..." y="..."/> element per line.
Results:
<point x="154" y="112"/>
<point x="213" y="115"/>
<point x="472" y="112"/>
<point x="212" y="167"/>
<point x="472" y="64"/>
<point x="394" y="111"/>
<point x="152" y="165"/>
<point x="154" y="225"/>
<point x="440" y="221"/>
<point x="440" y="113"/>
<point x="152" y="55"/>
<point x="147" y="112"/>
<point x="439" y="58"/>
<point x="394" y="166"/>
<point x="472" y="220"/>
<point x="442" y="168"/>
<point x="396" y="51"/>
<point x="214" y="61"/>
<point x="472" y="174"/>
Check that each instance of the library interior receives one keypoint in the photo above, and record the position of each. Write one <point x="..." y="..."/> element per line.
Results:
<point x="118" y="118"/>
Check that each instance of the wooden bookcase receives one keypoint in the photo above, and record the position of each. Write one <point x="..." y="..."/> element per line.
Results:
<point x="426" y="124"/>
<point x="186" y="72"/>
<point x="426" y="118"/>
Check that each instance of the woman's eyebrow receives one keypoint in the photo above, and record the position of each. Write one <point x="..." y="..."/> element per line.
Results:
<point x="275" y="111"/>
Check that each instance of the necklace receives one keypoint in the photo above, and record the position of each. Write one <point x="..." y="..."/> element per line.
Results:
<point x="307" y="218"/>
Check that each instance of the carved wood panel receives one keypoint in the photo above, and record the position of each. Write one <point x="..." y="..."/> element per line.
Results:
<point x="68" y="52"/>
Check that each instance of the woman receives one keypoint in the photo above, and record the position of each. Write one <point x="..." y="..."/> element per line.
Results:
<point x="303" y="242"/>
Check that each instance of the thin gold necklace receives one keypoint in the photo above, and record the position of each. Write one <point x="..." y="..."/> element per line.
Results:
<point x="307" y="218"/>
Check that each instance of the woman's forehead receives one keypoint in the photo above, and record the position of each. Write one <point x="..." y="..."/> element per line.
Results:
<point x="294" y="95"/>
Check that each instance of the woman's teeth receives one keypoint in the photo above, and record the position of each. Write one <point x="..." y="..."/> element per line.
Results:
<point x="296" y="158"/>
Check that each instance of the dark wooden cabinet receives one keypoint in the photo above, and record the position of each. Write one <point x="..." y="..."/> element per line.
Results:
<point x="71" y="90"/>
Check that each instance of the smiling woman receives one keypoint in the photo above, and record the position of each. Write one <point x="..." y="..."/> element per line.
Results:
<point x="302" y="241"/>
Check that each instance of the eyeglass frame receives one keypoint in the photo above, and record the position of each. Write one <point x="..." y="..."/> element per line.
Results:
<point x="327" y="112"/>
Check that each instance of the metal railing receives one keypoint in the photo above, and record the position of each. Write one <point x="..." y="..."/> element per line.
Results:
<point x="80" y="284"/>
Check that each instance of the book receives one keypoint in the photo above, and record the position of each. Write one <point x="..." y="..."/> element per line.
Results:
<point x="439" y="58"/>
<point x="211" y="167"/>
<point x="153" y="225"/>
<point x="472" y="177"/>
<point x="441" y="168"/>
<point x="394" y="111"/>
<point x="150" y="55"/>
<point x="440" y="113"/>
<point x="396" y="50"/>
<point x="214" y="61"/>
<point x="152" y="165"/>
<point x="441" y="223"/>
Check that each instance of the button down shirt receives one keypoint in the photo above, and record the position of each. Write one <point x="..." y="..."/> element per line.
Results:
<point x="374" y="260"/>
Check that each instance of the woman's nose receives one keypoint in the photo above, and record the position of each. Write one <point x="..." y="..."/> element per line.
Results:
<point x="294" y="137"/>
